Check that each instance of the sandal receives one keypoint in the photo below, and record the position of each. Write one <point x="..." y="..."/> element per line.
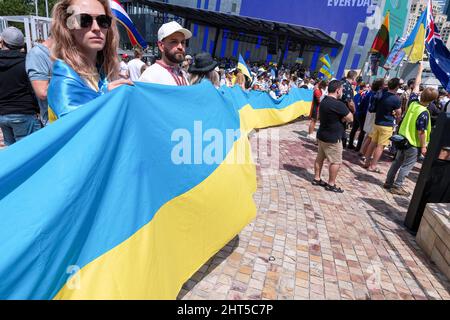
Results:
<point x="334" y="189"/>
<point x="376" y="170"/>
<point x="319" y="183"/>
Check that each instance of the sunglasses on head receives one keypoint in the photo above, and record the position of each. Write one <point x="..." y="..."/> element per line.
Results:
<point x="85" y="20"/>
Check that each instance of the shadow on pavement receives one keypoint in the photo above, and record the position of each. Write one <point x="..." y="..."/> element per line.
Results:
<point x="364" y="177"/>
<point x="212" y="264"/>
<point x="387" y="211"/>
<point x="299" y="171"/>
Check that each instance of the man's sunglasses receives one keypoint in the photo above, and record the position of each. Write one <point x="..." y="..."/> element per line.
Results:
<point x="85" y="20"/>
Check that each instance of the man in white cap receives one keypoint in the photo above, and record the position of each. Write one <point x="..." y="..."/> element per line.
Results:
<point x="18" y="106"/>
<point x="172" y="45"/>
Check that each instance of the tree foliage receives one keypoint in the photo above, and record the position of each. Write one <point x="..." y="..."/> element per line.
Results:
<point x="24" y="7"/>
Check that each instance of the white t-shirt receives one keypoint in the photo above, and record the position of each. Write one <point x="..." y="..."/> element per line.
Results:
<point x="158" y="74"/>
<point x="134" y="68"/>
<point x="123" y="69"/>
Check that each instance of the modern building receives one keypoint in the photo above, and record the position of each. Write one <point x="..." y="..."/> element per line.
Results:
<point x="354" y="24"/>
<point x="440" y="17"/>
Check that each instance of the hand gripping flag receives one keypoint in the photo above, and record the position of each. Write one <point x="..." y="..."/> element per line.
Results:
<point x="133" y="210"/>
<point x="439" y="55"/>
<point x="121" y="15"/>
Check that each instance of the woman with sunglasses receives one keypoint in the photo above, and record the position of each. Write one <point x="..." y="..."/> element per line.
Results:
<point x="86" y="66"/>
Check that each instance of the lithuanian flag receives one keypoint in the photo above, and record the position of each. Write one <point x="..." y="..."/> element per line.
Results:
<point x="381" y="43"/>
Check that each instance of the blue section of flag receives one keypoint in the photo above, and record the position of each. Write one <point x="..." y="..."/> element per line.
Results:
<point x="104" y="172"/>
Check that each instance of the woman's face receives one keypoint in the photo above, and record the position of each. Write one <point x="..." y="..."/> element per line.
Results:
<point x="90" y="39"/>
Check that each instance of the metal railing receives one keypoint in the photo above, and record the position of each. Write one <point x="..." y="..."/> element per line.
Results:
<point x="36" y="28"/>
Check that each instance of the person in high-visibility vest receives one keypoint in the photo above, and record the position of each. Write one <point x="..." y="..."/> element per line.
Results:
<point x="416" y="128"/>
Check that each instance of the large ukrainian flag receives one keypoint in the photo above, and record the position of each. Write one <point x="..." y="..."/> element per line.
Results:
<point x="127" y="196"/>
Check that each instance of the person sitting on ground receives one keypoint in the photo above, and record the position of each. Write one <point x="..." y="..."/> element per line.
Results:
<point x="204" y="69"/>
<point x="388" y="110"/>
<point x="416" y="128"/>
<point x="332" y="113"/>
<point x="85" y="46"/>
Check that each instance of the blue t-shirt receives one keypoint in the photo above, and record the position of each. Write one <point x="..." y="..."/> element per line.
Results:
<point x="385" y="107"/>
<point x="363" y="107"/>
<point x="39" y="67"/>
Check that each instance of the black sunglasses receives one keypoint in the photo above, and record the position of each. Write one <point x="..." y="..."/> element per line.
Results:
<point x="85" y="20"/>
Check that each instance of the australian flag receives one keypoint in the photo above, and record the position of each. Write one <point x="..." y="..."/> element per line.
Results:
<point x="438" y="53"/>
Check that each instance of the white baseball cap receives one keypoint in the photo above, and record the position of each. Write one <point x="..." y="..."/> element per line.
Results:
<point x="170" y="28"/>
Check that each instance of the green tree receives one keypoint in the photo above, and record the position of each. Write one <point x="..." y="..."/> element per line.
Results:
<point x="24" y="7"/>
<point x="15" y="7"/>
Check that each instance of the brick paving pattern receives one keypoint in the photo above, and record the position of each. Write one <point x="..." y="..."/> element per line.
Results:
<point x="307" y="243"/>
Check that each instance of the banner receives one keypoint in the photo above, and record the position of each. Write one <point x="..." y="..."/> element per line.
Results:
<point x="396" y="55"/>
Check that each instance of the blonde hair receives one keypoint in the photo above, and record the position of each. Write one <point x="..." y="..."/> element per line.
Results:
<point x="428" y="95"/>
<point x="240" y="79"/>
<point x="212" y="76"/>
<point x="65" y="47"/>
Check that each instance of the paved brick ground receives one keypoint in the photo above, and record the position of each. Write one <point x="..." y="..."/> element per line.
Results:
<point x="307" y="243"/>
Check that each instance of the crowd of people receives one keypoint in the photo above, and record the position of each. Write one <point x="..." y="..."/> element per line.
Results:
<point x="388" y="114"/>
<point x="85" y="46"/>
<point x="36" y="88"/>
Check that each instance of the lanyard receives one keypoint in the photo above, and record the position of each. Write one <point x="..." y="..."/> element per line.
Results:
<point x="176" y="77"/>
